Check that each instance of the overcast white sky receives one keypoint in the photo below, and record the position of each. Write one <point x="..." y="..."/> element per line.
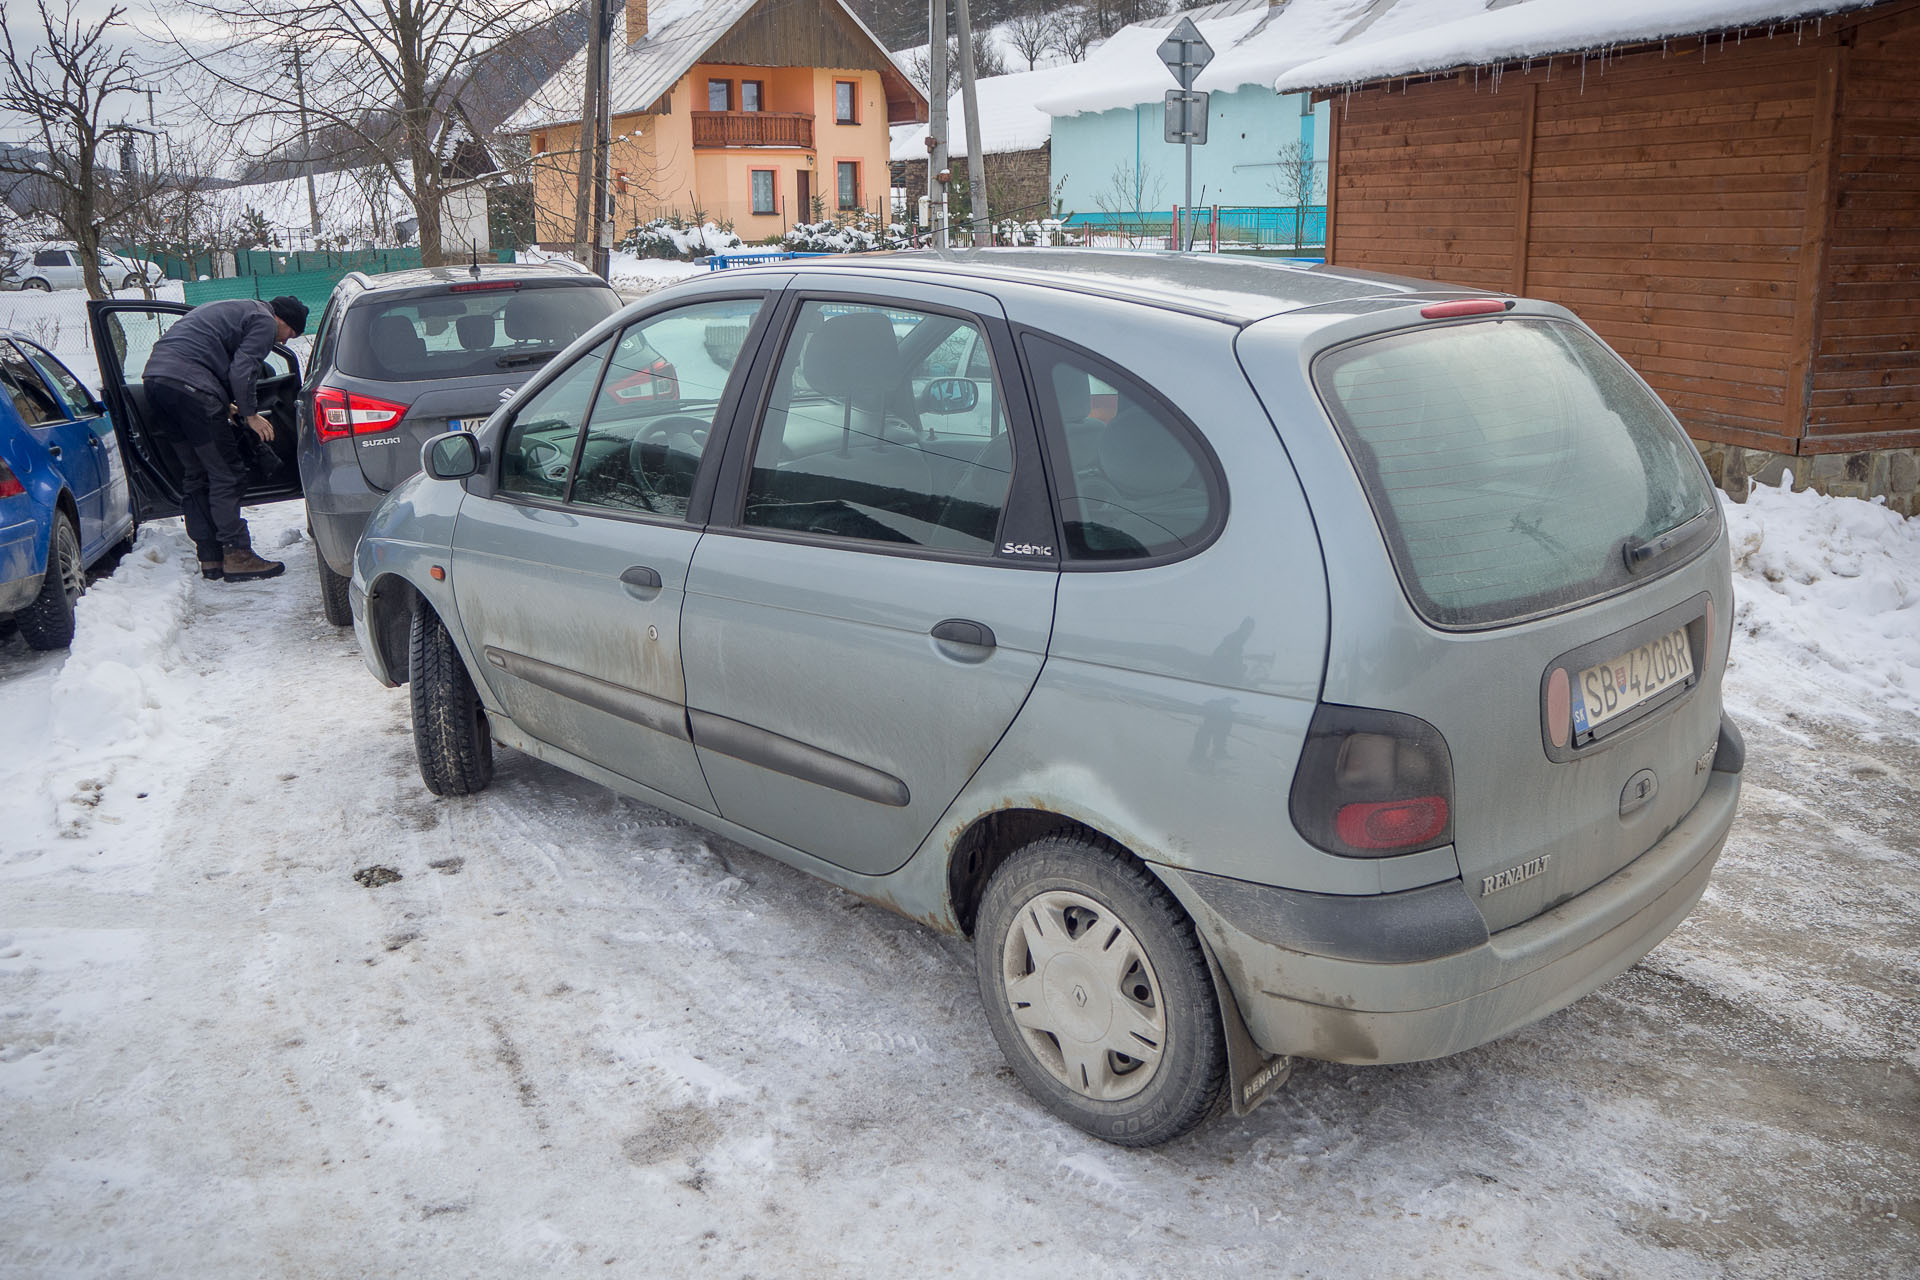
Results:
<point x="141" y="33"/>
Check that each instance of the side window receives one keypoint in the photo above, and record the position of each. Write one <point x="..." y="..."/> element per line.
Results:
<point x="32" y="399"/>
<point x="537" y="458"/>
<point x="323" y="337"/>
<point x="1136" y="484"/>
<point x="75" y="392"/>
<point x="859" y="442"/>
<point x="655" y="409"/>
<point x="50" y="258"/>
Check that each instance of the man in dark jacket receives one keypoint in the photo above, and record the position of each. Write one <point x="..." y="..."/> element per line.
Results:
<point x="200" y="371"/>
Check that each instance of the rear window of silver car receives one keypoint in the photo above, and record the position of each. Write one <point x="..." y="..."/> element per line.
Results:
<point x="469" y="331"/>
<point x="1512" y="464"/>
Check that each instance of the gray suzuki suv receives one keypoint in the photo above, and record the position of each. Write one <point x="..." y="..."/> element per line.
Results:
<point x="1255" y="662"/>
<point x="406" y="355"/>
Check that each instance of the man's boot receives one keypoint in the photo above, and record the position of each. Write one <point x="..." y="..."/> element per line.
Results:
<point x="241" y="565"/>
<point x="212" y="561"/>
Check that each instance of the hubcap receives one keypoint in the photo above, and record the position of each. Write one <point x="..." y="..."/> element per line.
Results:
<point x="1084" y="995"/>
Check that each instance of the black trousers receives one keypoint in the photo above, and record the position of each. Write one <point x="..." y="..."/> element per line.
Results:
<point x="213" y="473"/>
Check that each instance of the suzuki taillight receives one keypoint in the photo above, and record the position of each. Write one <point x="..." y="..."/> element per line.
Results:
<point x="338" y="413"/>
<point x="1373" y="783"/>
<point x="10" y="486"/>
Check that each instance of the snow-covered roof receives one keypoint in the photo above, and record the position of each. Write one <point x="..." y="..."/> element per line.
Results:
<point x="1414" y="36"/>
<point x="1009" y="120"/>
<point x="679" y="33"/>
<point x="1125" y="69"/>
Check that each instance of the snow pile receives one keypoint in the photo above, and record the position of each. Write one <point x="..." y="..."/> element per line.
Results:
<point x="1826" y="605"/>
<point x="124" y="697"/>
<point x="625" y="270"/>
<point x="1417" y="36"/>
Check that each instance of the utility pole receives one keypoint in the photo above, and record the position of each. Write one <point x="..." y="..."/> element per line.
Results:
<point x="603" y="147"/>
<point x="970" y="108"/>
<point x="589" y="123"/>
<point x="937" y="122"/>
<point x="306" y="144"/>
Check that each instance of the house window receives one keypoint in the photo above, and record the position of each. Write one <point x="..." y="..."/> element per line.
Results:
<point x="719" y="95"/>
<point x="846" y="98"/>
<point x="751" y="95"/>
<point x="848" y="172"/>
<point x="539" y="144"/>
<point x="763" y="191"/>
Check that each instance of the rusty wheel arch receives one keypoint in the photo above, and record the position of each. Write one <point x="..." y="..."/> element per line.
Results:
<point x="994" y="837"/>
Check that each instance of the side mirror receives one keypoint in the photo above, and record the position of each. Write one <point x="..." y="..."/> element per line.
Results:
<point x="949" y="396"/>
<point x="453" y="456"/>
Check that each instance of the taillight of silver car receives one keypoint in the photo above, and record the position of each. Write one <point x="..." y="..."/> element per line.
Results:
<point x="1371" y="784"/>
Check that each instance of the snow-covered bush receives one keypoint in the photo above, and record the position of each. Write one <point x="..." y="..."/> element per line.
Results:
<point x="1045" y="233"/>
<point x="677" y="237"/>
<point x="849" y="233"/>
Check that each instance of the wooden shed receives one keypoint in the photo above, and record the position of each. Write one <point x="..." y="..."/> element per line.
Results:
<point x="1736" y="211"/>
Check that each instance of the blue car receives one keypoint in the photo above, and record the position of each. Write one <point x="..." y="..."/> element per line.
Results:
<point x="64" y="498"/>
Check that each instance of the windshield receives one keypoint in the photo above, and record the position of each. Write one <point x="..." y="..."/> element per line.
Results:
<point x="469" y="333"/>
<point x="1513" y="464"/>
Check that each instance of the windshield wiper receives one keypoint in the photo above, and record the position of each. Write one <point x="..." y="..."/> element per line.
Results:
<point x="1642" y="556"/>
<point x="518" y="358"/>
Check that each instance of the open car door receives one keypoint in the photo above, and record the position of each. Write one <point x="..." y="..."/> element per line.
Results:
<point x="123" y="336"/>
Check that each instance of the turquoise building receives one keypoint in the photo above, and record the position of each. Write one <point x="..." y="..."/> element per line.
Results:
<point x="1264" y="151"/>
<point x="1247" y="129"/>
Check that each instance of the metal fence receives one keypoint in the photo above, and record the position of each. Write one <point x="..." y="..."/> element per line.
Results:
<point x="1211" y="228"/>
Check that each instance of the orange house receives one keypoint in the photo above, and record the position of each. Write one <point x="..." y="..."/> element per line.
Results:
<point x="759" y="112"/>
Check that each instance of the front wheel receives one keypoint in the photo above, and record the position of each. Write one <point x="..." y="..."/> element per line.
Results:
<point x="450" y="737"/>
<point x="1098" y="992"/>
<point x="47" y="623"/>
<point x="36" y="283"/>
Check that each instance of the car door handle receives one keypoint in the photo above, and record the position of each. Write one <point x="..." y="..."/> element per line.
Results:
<point x="641" y="578"/>
<point x="964" y="631"/>
<point x="53" y="450"/>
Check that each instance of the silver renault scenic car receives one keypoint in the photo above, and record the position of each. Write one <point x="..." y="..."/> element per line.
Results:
<point x="1255" y="662"/>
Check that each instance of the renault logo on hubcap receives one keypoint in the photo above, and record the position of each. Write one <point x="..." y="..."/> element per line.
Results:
<point x="1080" y="996"/>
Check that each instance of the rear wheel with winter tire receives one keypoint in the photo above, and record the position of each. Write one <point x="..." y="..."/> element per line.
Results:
<point x="333" y="592"/>
<point x="47" y="623"/>
<point x="450" y="736"/>
<point x="1098" y="992"/>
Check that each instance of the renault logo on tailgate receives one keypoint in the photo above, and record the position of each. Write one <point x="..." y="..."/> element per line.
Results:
<point x="1490" y="885"/>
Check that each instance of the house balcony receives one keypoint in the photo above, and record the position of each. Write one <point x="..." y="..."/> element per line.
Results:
<point x="753" y="129"/>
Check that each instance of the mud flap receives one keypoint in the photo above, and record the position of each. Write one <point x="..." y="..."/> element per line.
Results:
<point x="1253" y="1074"/>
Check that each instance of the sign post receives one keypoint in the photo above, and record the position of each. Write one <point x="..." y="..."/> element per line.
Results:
<point x="1186" y="53"/>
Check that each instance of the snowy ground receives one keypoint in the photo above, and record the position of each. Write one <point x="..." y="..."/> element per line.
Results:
<point x="578" y="1037"/>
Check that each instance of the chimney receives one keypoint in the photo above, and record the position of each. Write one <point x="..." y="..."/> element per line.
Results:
<point x="636" y="20"/>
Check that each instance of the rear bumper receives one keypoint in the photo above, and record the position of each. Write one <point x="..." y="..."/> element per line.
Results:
<point x="1397" y="1005"/>
<point x="337" y="529"/>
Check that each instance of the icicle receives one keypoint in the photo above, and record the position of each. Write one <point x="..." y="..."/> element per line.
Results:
<point x="1583" y="73"/>
<point x="1549" y="68"/>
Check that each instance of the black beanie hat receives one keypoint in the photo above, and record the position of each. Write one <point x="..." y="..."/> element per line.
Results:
<point x="291" y="310"/>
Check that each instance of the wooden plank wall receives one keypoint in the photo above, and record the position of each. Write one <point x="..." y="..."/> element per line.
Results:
<point x="1665" y="202"/>
<point x="1866" y="361"/>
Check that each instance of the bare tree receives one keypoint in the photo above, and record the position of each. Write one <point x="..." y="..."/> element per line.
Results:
<point x="1032" y="32"/>
<point x="987" y="61"/>
<point x="1126" y="200"/>
<point x="383" y="76"/>
<point x="68" y="93"/>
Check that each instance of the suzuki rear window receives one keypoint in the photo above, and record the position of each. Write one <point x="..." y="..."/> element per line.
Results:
<point x="1514" y="465"/>
<point x="469" y="333"/>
